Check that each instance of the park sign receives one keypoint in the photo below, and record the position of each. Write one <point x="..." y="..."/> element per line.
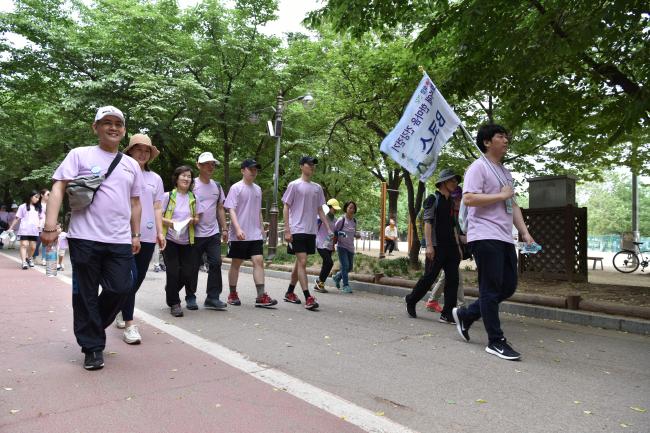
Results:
<point x="426" y="125"/>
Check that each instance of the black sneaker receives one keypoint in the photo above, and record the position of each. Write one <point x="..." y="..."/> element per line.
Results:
<point x="446" y="319"/>
<point x="462" y="329"/>
<point x="94" y="360"/>
<point x="176" y="310"/>
<point x="503" y="350"/>
<point x="410" y="308"/>
<point x="190" y="304"/>
<point x="214" y="304"/>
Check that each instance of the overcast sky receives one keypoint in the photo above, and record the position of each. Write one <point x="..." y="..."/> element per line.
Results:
<point x="290" y="14"/>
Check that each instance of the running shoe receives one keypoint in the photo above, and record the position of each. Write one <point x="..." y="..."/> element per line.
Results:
<point x="30" y="262"/>
<point x="320" y="287"/>
<point x="291" y="297"/>
<point x="337" y="280"/>
<point x="213" y="304"/>
<point x="503" y="350"/>
<point x="119" y="321"/>
<point x="176" y="310"/>
<point x="311" y="303"/>
<point x="445" y="319"/>
<point x="94" y="360"/>
<point x="131" y="335"/>
<point x="346" y="289"/>
<point x="433" y="305"/>
<point x="25" y="265"/>
<point x="265" y="301"/>
<point x="233" y="299"/>
<point x="461" y="327"/>
<point x="191" y="304"/>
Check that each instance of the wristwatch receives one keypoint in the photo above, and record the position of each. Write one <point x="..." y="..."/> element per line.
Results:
<point x="136" y="235"/>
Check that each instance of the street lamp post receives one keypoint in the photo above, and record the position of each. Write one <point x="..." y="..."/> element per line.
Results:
<point x="280" y="104"/>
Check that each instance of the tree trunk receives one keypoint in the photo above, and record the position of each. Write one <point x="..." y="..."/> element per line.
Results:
<point x="394" y="182"/>
<point x="414" y="205"/>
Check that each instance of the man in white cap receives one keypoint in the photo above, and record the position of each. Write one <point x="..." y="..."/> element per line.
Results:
<point x="102" y="236"/>
<point x="209" y="233"/>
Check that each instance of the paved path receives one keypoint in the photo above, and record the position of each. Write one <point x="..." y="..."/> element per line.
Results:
<point x="359" y="357"/>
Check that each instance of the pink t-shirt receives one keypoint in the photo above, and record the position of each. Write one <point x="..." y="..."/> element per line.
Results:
<point x="487" y="222"/>
<point x="246" y="200"/>
<point x="108" y="217"/>
<point x="30" y="220"/>
<point x="208" y="194"/>
<point x="152" y="191"/>
<point x="181" y="212"/>
<point x="304" y="200"/>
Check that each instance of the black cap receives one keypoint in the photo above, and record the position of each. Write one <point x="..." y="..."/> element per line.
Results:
<point x="308" y="160"/>
<point x="250" y="163"/>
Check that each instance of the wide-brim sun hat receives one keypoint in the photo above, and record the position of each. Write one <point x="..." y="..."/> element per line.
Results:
<point x="447" y="174"/>
<point x="145" y="141"/>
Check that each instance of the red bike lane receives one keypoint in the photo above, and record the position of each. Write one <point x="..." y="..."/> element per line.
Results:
<point x="164" y="385"/>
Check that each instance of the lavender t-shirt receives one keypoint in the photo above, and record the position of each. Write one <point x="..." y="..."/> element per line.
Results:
<point x="208" y="194"/>
<point x="181" y="212"/>
<point x="30" y="220"/>
<point x="152" y="191"/>
<point x="348" y="227"/>
<point x="487" y="222"/>
<point x="108" y="217"/>
<point x="323" y="240"/>
<point x="304" y="200"/>
<point x="246" y="200"/>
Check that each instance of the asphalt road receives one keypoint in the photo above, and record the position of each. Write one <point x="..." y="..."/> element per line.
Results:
<point x="364" y="348"/>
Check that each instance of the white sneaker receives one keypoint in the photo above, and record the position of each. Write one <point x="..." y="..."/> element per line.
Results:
<point x="43" y="263"/>
<point x="119" y="322"/>
<point x="132" y="335"/>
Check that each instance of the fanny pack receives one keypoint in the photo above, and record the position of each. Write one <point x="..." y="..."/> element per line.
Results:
<point x="81" y="190"/>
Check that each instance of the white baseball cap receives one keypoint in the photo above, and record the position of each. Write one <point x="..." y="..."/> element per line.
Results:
<point x="207" y="157"/>
<point x="108" y="110"/>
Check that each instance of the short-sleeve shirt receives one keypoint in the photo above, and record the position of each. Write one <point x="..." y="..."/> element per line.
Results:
<point x="152" y="191"/>
<point x="181" y="212"/>
<point x="108" y="217"/>
<point x="323" y="241"/>
<point x="349" y="228"/>
<point x="246" y="200"/>
<point x="208" y="194"/>
<point x="30" y="220"/>
<point x="304" y="200"/>
<point x="63" y="241"/>
<point x="487" y="222"/>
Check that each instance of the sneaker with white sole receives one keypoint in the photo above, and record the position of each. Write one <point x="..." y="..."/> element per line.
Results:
<point x="503" y="350"/>
<point x="265" y="301"/>
<point x="461" y="327"/>
<point x="119" y="321"/>
<point x="132" y="335"/>
<point x="25" y="265"/>
<point x="30" y="262"/>
<point x="94" y="360"/>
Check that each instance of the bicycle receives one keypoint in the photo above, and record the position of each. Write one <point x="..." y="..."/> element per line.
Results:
<point x="628" y="261"/>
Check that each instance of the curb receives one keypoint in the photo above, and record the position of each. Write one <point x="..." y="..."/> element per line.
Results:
<point x="605" y="321"/>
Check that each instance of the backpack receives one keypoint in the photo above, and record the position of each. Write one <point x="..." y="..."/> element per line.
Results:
<point x="430" y="201"/>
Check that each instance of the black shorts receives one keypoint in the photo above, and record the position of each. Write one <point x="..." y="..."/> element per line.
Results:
<point x="245" y="249"/>
<point x="29" y="238"/>
<point x="302" y="243"/>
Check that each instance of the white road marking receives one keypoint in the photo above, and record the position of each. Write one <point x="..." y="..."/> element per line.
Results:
<point x="352" y="413"/>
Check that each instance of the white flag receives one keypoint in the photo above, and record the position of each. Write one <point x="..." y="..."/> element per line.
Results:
<point x="426" y="125"/>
